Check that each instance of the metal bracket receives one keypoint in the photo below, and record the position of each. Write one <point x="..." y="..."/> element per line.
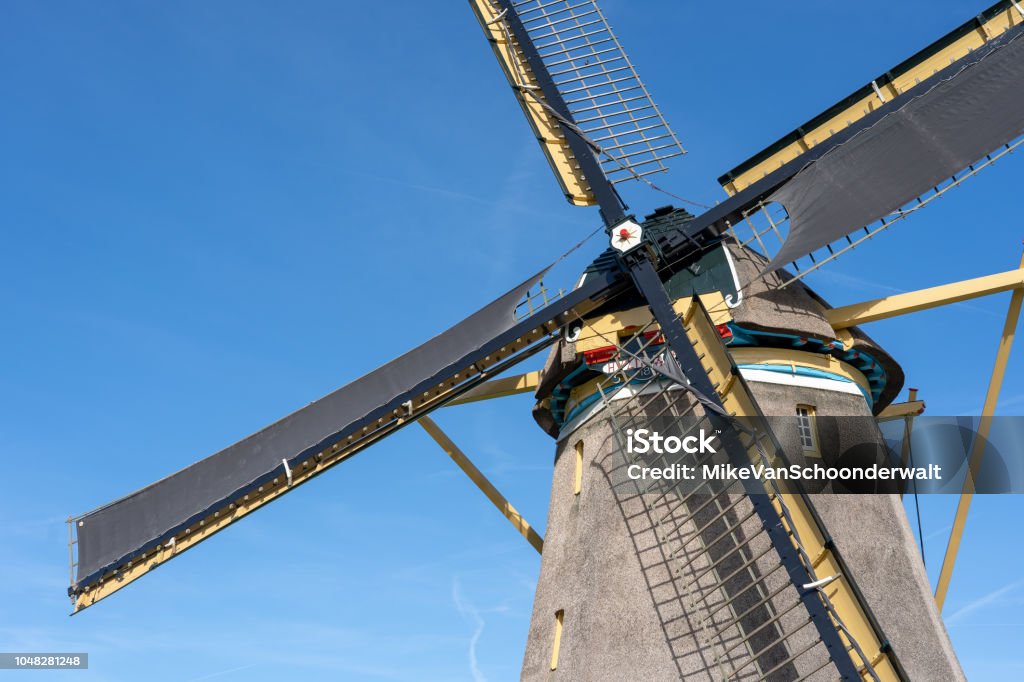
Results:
<point x="878" y="91"/>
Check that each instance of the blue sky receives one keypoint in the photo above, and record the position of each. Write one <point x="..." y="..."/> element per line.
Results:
<point x="216" y="212"/>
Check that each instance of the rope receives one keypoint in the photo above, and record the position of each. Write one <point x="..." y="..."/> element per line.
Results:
<point x="913" y="482"/>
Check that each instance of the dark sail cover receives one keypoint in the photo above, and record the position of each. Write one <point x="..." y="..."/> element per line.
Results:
<point x="121" y="530"/>
<point x="975" y="106"/>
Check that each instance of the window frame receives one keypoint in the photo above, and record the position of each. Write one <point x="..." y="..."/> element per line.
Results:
<point x="810" y="413"/>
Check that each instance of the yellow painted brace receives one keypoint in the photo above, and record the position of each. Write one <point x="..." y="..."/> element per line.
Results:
<point x="500" y="388"/>
<point x="902" y="304"/>
<point x="488" y="489"/>
<point x="910" y="408"/>
<point x="914" y="301"/>
<point x="978" y="450"/>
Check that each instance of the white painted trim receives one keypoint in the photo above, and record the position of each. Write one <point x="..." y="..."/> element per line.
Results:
<point x="736" y="280"/>
<point x="768" y="377"/>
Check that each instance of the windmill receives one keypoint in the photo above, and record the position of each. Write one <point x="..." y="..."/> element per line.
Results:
<point x="648" y="324"/>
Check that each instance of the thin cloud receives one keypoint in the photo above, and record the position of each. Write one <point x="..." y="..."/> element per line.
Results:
<point x="1003" y="403"/>
<point x="468" y="611"/>
<point x="219" y="673"/>
<point x="944" y="531"/>
<point x="859" y="282"/>
<point x="501" y="201"/>
<point x="983" y="601"/>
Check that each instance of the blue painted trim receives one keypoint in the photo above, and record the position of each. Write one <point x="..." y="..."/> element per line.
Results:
<point x="560" y="394"/>
<point x="863" y="362"/>
<point x="584" y="404"/>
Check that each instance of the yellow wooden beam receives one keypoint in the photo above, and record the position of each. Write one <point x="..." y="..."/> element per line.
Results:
<point x="500" y="388"/>
<point x="911" y="408"/>
<point x="488" y="489"/>
<point x="902" y="304"/>
<point x="978" y="450"/>
<point x="736" y="399"/>
<point x="545" y="126"/>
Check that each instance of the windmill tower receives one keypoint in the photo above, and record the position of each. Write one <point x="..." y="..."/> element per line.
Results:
<point x="687" y="322"/>
<point x="667" y="581"/>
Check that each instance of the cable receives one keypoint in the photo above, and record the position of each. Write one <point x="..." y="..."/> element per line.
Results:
<point x="913" y="482"/>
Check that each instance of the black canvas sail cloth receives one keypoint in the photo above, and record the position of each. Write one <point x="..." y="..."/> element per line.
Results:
<point x="975" y="106"/>
<point x="112" y="534"/>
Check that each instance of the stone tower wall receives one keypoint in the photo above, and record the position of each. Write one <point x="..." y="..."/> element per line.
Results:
<point x="629" y="614"/>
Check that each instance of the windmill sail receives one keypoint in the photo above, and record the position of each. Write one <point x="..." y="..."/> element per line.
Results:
<point x="121" y="541"/>
<point x="591" y="113"/>
<point x="908" y="152"/>
<point x="909" y="75"/>
<point x="871" y="156"/>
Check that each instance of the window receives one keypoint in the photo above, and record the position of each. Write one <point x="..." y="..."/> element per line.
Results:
<point x="808" y="429"/>
<point x="557" y="644"/>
